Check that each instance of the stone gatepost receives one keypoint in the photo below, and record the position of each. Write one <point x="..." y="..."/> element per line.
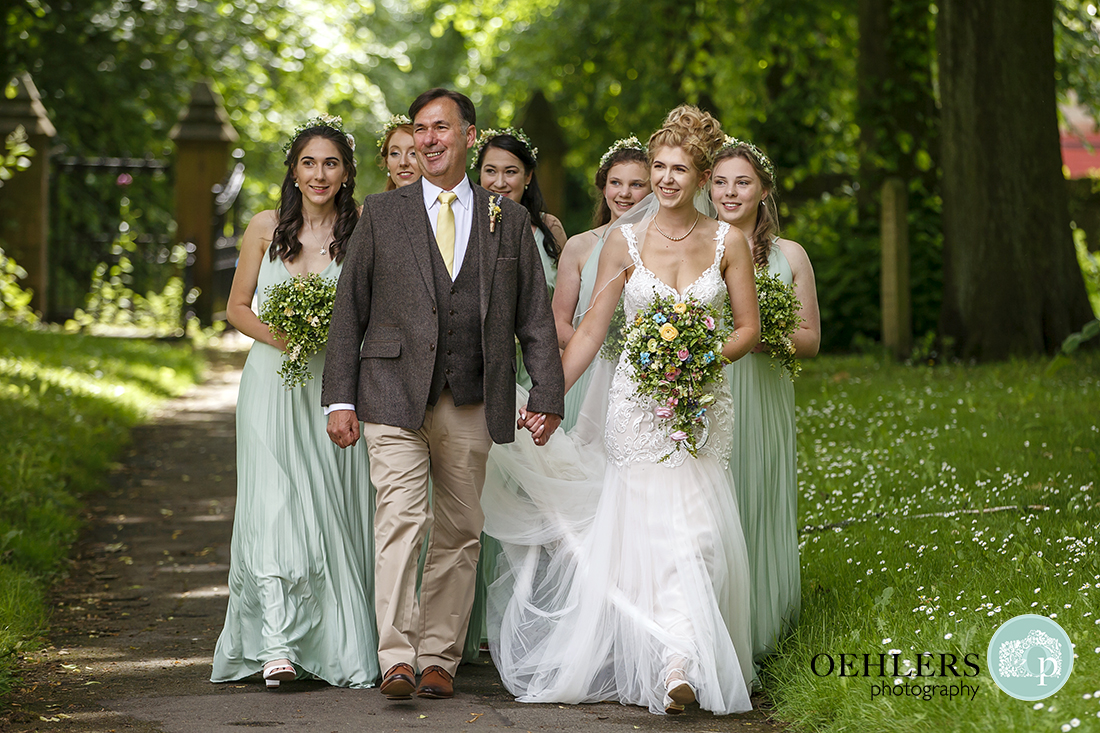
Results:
<point x="203" y="137"/>
<point x="25" y="197"/>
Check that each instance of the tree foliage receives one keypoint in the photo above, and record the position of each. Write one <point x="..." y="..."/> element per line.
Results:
<point x="784" y="73"/>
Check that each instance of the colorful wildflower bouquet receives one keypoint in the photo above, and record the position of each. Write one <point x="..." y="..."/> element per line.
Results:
<point x="676" y="350"/>
<point x="299" y="310"/>
<point x="778" y="320"/>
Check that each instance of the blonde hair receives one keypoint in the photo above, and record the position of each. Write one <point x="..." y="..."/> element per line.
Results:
<point x="693" y="130"/>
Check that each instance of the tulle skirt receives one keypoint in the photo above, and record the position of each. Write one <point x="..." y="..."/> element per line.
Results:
<point x="612" y="576"/>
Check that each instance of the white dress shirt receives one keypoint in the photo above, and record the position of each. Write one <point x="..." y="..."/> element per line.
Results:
<point x="463" y="210"/>
<point x="462" y="207"/>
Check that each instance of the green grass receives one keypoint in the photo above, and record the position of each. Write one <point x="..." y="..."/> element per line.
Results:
<point x="896" y="465"/>
<point x="66" y="405"/>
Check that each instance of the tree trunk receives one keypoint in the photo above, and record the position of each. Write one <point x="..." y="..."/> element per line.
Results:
<point x="896" y="108"/>
<point x="1012" y="285"/>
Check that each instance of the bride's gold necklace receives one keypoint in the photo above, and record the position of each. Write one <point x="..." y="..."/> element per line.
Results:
<point x="682" y="236"/>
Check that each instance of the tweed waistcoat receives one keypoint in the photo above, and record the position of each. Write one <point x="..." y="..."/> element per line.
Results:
<point x="459" y="361"/>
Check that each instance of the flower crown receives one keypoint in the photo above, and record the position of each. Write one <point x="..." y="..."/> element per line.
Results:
<point x="329" y="121"/>
<point x="518" y="134"/>
<point x="626" y="143"/>
<point x="761" y="159"/>
<point x="395" y="122"/>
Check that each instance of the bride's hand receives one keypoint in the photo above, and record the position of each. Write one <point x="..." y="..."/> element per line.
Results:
<point x="540" y="424"/>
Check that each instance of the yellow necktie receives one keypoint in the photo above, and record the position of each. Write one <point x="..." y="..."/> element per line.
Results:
<point x="445" y="230"/>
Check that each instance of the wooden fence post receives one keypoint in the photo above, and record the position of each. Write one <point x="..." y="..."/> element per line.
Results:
<point x="202" y="138"/>
<point x="897" y="325"/>
<point x="24" y="199"/>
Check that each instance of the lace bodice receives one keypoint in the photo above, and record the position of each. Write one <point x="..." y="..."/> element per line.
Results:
<point x="633" y="433"/>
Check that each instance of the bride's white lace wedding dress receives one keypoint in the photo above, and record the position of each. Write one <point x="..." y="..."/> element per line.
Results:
<point x="619" y="570"/>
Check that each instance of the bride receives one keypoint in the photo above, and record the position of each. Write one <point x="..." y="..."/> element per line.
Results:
<point x="623" y="577"/>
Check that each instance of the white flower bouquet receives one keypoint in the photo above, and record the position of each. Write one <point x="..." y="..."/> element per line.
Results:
<point x="299" y="311"/>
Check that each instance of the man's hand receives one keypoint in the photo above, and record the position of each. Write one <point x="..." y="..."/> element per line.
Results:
<point x="542" y="425"/>
<point x="343" y="428"/>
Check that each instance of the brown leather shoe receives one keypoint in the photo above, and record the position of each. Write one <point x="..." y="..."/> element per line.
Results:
<point x="436" y="682"/>
<point x="397" y="683"/>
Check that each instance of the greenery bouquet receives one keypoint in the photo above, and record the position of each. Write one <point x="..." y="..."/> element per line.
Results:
<point x="299" y="311"/>
<point x="675" y="348"/>
<point x="778" y="319"/>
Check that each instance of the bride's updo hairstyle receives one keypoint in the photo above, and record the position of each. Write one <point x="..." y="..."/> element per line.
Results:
<point x="693" y="130"/>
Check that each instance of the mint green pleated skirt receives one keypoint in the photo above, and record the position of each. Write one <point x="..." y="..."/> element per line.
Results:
<point x="302" y="558"/>
<point x="765" y="483"/>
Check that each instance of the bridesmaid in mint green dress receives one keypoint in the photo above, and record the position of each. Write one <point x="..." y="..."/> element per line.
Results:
<point x="622" y="180"/>
<point x="301" y="572"/>
<point x="506" y="161"/>
<point x="763" y="460"/>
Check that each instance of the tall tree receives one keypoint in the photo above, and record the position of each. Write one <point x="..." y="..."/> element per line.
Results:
<point x="1012" y="285"/>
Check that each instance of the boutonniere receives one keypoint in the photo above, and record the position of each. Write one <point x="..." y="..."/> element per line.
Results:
<point x="494" y="211"/>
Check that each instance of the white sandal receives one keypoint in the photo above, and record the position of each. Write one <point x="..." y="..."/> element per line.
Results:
<point x="278" y="670"/>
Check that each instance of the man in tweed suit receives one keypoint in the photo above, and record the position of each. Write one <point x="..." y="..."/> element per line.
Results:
<point x="439" y="281"/>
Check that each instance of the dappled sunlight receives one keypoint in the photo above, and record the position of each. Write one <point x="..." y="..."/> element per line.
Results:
<point x="209" y="591"/>
<point x="211" y="568"/>
<point x="208" y="518"/>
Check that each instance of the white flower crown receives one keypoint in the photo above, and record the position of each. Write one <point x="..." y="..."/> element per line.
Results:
<point x="626" y="143"/>
<point x="762" y="160"/>
<point x="489" y="134"/>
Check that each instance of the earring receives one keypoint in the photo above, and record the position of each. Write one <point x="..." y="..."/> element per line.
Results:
<point x="762" y="202"/>
<point x="295" y="184"/>
<point x="344" y="184"/>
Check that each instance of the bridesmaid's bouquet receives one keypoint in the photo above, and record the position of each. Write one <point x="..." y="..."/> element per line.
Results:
<point x="299" y="311"/>
<point x="778" y="320"/>
<point x="675" y="348"/>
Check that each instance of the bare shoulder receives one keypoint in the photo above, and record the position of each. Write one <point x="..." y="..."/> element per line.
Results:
<point x="261" y="229"/>
<point x="582" y="243"/>
<point x="795" y="254"/>
<point x="614" y="247"/>
<point x="738" y="251"/>
<point x="554" y="223"/>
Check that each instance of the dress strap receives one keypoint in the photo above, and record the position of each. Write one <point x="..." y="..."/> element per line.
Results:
<point x="632" y="244"/>
<point x="720" y="242"/>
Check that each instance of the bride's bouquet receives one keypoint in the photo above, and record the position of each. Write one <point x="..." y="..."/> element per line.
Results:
<point x="299" y="311"/>
<point x="778" y="320"/>
<point x="675" y="348"/>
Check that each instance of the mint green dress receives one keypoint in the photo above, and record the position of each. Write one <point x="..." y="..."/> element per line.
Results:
<point x="766" y="485"/>
<point x="550" y="269"/>
<point x="476" y="634"/>
<point x="301" y="579"/>
<point x="574" y="398"/>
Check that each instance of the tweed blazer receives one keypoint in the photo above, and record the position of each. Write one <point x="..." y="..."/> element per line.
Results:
<point x="384" y="332"/>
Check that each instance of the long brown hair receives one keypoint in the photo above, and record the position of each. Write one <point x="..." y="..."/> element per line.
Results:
<point x="602" y="214"/>
<point x="285" y="243"/>
<point x="767" y="217"/>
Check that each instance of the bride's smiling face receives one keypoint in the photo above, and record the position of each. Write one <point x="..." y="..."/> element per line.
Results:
<point x="674" y="177"/>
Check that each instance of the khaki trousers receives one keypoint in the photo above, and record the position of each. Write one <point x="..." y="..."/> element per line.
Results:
<point x="453" y="446"/>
